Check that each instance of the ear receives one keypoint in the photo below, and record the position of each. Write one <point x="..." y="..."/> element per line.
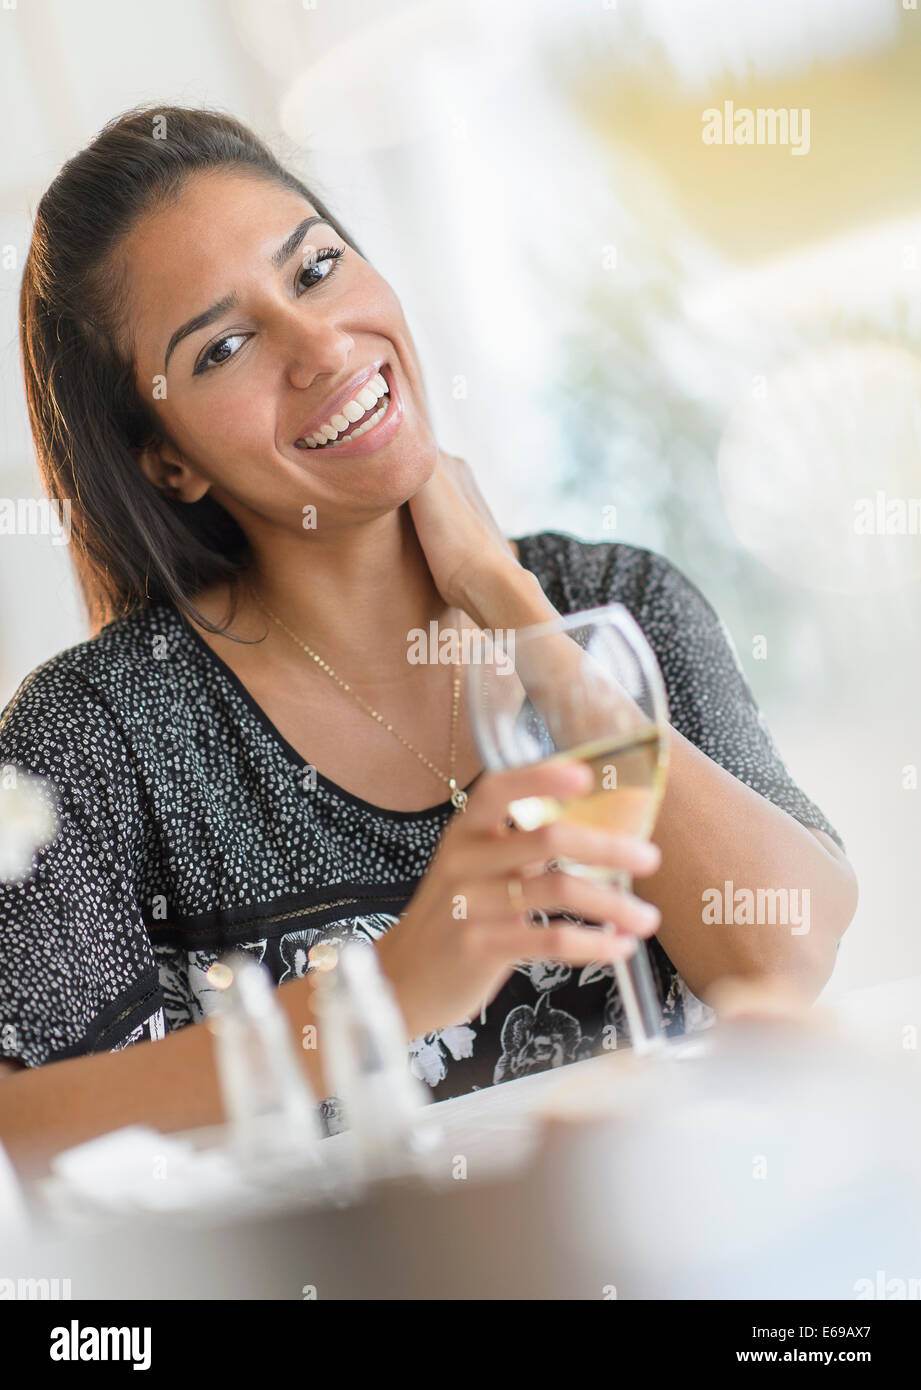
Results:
<point x="169" y="473"/>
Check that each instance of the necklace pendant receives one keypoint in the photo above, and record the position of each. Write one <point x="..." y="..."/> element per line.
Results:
<point x="458" y="796"/>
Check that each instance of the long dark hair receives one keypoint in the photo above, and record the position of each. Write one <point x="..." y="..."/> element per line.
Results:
<point x="130" y="543"/>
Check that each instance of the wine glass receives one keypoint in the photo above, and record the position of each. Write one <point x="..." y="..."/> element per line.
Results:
<point x="587" y="687"/>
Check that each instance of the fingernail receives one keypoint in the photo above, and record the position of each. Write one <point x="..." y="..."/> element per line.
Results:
<point x="649" y="913"/>
<point x="649" y="855"/>
<point x="579" y="776"/>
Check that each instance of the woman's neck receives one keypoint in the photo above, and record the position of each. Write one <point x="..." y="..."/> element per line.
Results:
<point x="361" y="588"/>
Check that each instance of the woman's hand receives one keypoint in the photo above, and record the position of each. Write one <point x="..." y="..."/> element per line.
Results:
<point x="458" y="533"/>
<point x="461" y="935"/>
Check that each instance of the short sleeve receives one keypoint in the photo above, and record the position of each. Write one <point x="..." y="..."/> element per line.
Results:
<point x="77" y="972"/>
<point x="710" y="701"/>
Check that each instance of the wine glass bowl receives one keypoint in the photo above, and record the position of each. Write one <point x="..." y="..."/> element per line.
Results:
<point x="586" y="687"/>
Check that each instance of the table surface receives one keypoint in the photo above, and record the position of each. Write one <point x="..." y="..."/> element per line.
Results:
<point x="488" y="1238"/>
<point x="498" y="1128"/>
<point x="876" y="1015"/>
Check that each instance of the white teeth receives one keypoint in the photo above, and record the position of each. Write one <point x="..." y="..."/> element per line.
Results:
<point x="371" y="421"/>
<point x="352" y="411"/>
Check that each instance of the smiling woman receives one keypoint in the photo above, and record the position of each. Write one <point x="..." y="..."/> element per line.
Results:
<point x="229" y="395"/>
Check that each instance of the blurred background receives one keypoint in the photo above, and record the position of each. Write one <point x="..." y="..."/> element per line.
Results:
<point x="635" y="328"/>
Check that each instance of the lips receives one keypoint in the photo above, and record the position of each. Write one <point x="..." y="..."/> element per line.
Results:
<point x="333" y="405"/>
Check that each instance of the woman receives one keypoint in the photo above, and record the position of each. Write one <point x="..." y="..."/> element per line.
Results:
<point x="242" y="753"/>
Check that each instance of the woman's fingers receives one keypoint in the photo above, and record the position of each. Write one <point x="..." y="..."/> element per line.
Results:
<point x="484" y="857"/>
<point x="582" y="844"/>
<point x="468" y="921"/>
<point x="487" y="809"/>
<point x="561" y="892"/>
<point x="596" y="902"/>
<point x="483" y="843"/>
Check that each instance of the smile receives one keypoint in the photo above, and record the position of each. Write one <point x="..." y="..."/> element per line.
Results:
<point x="355" y="418"/>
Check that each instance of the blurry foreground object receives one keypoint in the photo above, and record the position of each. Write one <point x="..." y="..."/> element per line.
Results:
<point x="14" y="1219"/>
<point x="769" y="997"/>
<point x="269" y="1155"/>
<point x="769" y="1157"/>
<point x="28" y="820"/>
<point x="772" y="1158"/>
<point x="365" y="1062"/>
<point x="271" y="1110"/>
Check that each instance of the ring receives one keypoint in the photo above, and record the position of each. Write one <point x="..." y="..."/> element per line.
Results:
<point x="515" y="896"/>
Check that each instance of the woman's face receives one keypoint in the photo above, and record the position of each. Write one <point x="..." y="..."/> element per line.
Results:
<point x="292" y="324"/>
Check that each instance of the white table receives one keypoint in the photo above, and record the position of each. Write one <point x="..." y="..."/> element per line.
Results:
<point x="526" y="1222"/>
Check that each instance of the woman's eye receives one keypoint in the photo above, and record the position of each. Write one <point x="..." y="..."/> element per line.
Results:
<point x="321" y="266"/>
<point x="218" y="353"/>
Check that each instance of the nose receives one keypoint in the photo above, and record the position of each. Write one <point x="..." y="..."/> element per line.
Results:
<point x="314" y="347"/>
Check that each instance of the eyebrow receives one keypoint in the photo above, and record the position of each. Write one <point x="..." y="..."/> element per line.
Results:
<point x="279" y="258"/>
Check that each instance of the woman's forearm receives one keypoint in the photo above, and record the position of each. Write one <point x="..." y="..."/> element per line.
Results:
<point x="506" y="595"/>
<point x="171" y="1084"/>
<point x="743" y="888"/>
<point x="728" y="854"/>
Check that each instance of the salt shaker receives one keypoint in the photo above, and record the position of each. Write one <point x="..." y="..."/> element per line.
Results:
<point x="366" y="1065"/>
<point x="268" y="1101"/>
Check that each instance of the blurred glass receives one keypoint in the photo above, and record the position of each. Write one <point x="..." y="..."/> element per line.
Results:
<point x="584" y="687"/>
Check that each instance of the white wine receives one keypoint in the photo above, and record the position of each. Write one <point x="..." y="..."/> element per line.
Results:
<point x="580" y="679"/>
<point x="629" y="783"/>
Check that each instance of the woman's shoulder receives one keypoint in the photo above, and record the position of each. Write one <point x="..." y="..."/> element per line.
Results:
<point x="97" y="680"/>
<point x="578" y="574"/>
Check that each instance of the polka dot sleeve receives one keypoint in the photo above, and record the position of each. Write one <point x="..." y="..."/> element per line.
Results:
<point x="710" y="701"/>
<point x="77" y="973"/>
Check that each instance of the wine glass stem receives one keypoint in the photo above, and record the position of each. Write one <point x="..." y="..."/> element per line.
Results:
<point x="638" y="991"/>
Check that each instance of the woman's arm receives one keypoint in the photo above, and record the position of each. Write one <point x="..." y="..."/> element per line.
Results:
<point x="455" y="945"/>
<point x="713" y="830"/>
<point x="170" y="1084"/>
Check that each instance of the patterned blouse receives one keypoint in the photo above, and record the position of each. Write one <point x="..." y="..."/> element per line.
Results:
<point x="189" y="826"/>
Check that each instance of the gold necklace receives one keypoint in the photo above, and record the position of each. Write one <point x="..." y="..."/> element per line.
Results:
<point x="458" y="795"/>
